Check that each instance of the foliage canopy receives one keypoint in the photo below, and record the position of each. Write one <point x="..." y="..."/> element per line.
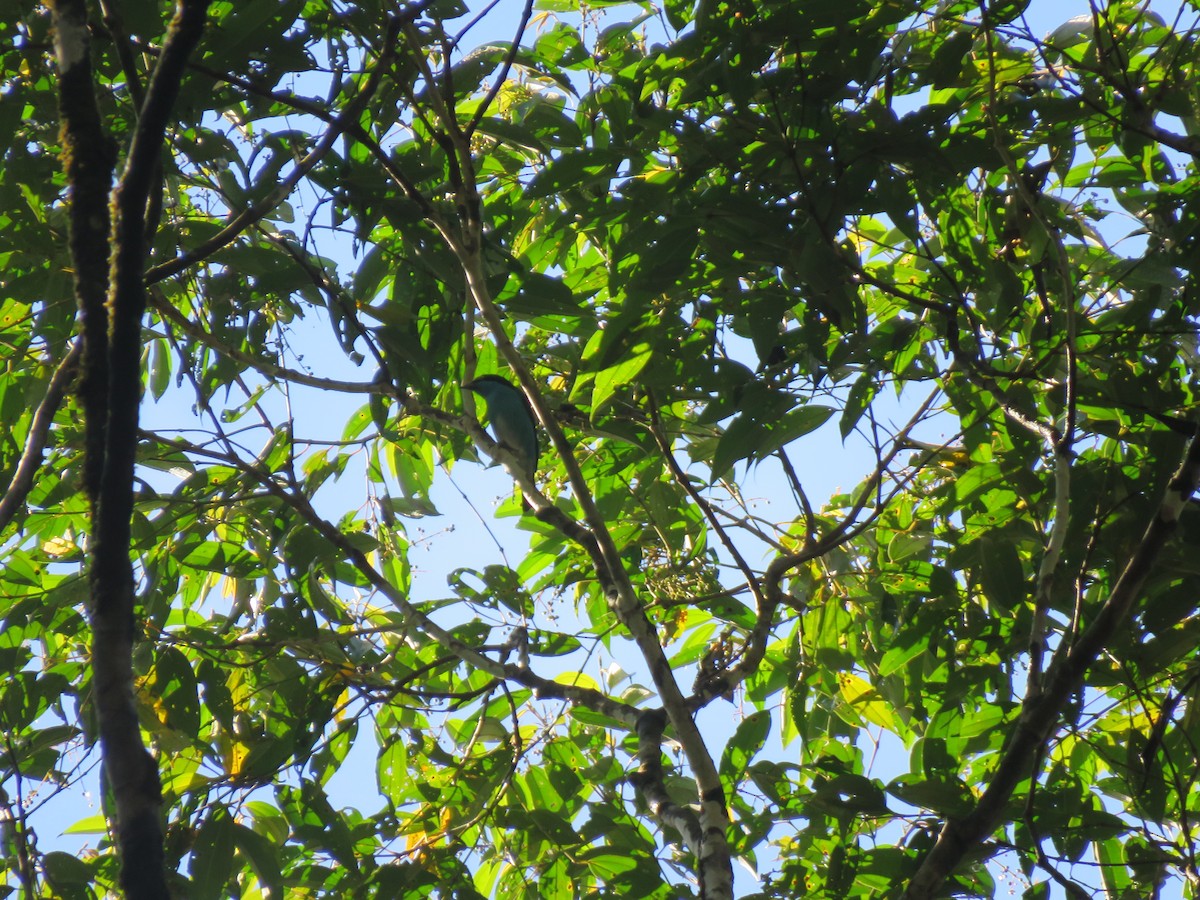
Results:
<point x="693" y="234"/>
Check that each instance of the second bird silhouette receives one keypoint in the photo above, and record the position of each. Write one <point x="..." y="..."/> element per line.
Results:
<point x="511" y="417"/>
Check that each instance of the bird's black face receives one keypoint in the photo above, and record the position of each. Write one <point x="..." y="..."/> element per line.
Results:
<point x="480" y="385"/>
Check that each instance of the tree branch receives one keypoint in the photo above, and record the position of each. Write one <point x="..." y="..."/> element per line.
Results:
<point x="649" y="780"/>
<point x="345" y="121"/>
<point x="664" y="448"/>
<point x="89" y="158"/>
<point x="264" y="366"/>
<point x="1039" y="714"/>
<point x="466" y="244"/>
<point x="628" y="608"/>
<point x="509" y="57"/>
<point x="781" y="565"/>
<point x="517" y="672"/>
<point x="110" y="388"/>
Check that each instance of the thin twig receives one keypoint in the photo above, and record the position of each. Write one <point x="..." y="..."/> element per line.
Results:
<point x="681" y="478"/>
<point x="509" y="57"/>
<point x="39" y="434"/>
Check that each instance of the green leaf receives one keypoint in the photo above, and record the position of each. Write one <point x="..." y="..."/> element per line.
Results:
<point x="791" y="426"/>
<point x="605" y="864"/>
<point x="262" y="855"/>
<point x="553" y="826"/>
<point x="899" y="656"/>
<point x="862" y="392"/>
<point x="1002" y="575"/>
<point x="63" y="869"/>
<point x="586" y="168"/>
<point x="371" y="273"/>
<point x="220" y="557"/>
<point x="211" y="861"/>
<point x="944" y="796"/>
<point x="745" y="744"/>
<point x="392" y="770"/>
<point x="609" y="381"/>
<point x="175" y="685"/>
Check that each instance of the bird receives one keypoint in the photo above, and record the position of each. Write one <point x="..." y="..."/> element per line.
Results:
<point x="512" y="420"/>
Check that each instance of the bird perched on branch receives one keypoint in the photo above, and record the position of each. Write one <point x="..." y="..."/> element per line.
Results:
<point x="512" y="421"/>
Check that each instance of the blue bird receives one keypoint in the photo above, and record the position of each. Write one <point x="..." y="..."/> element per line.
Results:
<point x="512" y="421"/>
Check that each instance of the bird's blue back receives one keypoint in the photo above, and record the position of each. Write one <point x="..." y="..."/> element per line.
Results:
<point x="511" y="419"/>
